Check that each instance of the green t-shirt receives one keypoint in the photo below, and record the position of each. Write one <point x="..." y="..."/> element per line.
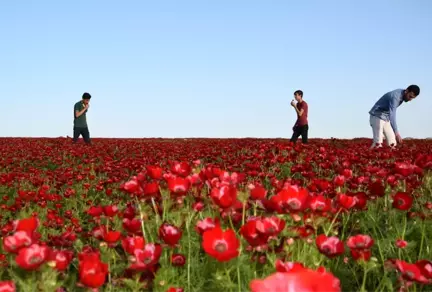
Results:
<point x="81" y="121"/>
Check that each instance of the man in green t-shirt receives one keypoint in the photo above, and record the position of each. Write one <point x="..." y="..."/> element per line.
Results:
<point x="80" y="120"/>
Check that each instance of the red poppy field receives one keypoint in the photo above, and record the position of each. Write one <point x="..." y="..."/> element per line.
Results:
<point x="214" y="215"/>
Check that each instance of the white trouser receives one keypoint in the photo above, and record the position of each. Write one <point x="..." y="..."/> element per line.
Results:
<point x="380" y="129"/>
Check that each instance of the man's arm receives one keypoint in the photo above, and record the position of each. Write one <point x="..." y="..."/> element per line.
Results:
<point x="299" y="112"/>
<point x="392" y="113"/>
<point x="79" y="112"/>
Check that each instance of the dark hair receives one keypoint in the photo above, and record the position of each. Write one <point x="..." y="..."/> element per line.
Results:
<point x="298" y="92"/>
<point x="414" y="89"/>
<point x="86" y="95"/>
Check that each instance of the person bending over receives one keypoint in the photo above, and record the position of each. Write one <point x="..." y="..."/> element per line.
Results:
<point x="382" y="116"/>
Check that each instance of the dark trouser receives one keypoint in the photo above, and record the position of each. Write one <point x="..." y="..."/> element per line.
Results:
<point x="300" y="130"/>
<point x="81" y="131"/>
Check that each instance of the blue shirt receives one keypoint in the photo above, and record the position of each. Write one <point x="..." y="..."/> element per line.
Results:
<point x="385" y="107"/>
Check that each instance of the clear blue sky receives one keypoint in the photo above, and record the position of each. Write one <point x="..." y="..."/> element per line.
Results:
<point x="222" y="68"/>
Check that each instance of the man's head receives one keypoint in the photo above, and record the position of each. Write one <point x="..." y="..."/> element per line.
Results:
<point x="411" y="92"/>
<point x="86" y="98"/>
<point x="298" y="95"/>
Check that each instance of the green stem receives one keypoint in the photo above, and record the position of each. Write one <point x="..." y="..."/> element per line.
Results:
<point x="380" y="251"/>
<point x="345" y="221"/>
<point x="238" y="259"/>
<point x="238" y="273"/>
<point x="244" y="213"/>
<point x="332" y="223"/>
<point x="404" y="226"/>
<point x="322" y="258"/>
<point x="189" y="254"/>
<point x="355" y="275"/>
<point x="363" y="287"/>
<point x="109" y="276"/>
<point x="156" y="212"/>
<point x="403" y="235"/>
<point x="142" y="221"/>
<point x="421" y="240"/>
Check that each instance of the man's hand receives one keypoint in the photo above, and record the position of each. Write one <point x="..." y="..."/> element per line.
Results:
<point x="293" y="103"/>
<point x="399" y="138"/>
<point x="86" y="107"/>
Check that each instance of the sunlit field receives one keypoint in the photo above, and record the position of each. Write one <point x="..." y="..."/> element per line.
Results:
<point x="214" y="215"/>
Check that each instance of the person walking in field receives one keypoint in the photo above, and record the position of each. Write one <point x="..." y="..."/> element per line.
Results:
<point x="301" y="127"/>
<point x="80" y="119"/>
<point x="383" y="115"/>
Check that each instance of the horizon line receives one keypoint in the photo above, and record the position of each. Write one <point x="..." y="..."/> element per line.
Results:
<point x="202" y="138"/>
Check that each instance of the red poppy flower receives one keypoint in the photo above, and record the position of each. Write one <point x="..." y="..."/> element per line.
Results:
<point x="360" y="242"/>
<point x="88" y="252"/>
<point x="7" y="286"/>
<point x="92" y="272"/>
<point x="130" y="244"/>
<point x="95" y="211"/>
<point x="132" y="186"/>
<point x="250" y="232"/>
<point x="230" y="179"/>
<point x="206" y="224"/>
<point x="195" y="179"/>
<point x="99" y="232"/>
<point x="27" y="224"/>
<point x="304" y="231"/>
<point x="401" y="243"/>
<point x="362" y="200"/>
<point x="112" y="237"/>
<point x="320" y="203"/>
<point x="110" y="211"/>
<point x="361" y="254"/>
<point x="16" y="241"/>
<point x="221" y="245"/>
<point x="151" y="188"/>
<point x="346" y="201"/>
<point x="146" y="258"/>
<point x="175" y="289"/>
<point x="224" y="196"/>
<point x="178" y="260"/>
<point x="377" y="189"/>
<point x="285" y="267"/>
<point x="154" y="172"/>
<point x="32" y="257"/>
<point x="305" y="281"/>
<point x="402" y="201"/>
<point x="62" y="259"/>
<point x="182" y="169"/>
<point x="330" y="246"/>
<point x="132" y="226"/>
<point x="339" y="180"/>
<point x="270" y="226"/>
<point x="170" y="234"/>
<point x="257" y="192"/>
<point x="347" y="173"/>
<point x="198" y="206"/>
<point x="129" y="212"/>
<point x="410" y="272"/>
<point x="425" y="267"/>
<point x="404" y="169"/>
<point x="178" y="185"/>
<point x="291" y="199"/>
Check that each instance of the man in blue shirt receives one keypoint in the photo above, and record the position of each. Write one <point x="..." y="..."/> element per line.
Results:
<point x="383" y="115"/>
